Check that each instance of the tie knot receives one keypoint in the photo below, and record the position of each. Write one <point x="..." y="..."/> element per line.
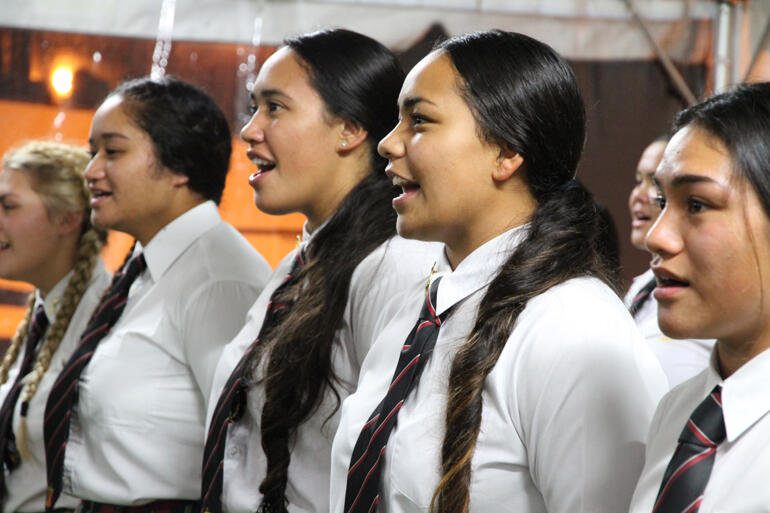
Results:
<point x="39" y="321"/>
<point x="706" y="426"/>
<point x="135" y="266"/>
<point x="428" y="312"/>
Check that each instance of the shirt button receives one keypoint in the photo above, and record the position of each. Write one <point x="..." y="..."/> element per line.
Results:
<point x="66" y="482"/>
<point x="75" y="428"/>
<point x="233" y="451"/>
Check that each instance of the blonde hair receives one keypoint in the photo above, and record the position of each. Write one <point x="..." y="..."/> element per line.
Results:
<point x="56" y="174"/>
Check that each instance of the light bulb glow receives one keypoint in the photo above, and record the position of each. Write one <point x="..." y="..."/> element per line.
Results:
<point x="61" y="80"/>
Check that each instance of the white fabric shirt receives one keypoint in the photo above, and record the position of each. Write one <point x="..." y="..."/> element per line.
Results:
<point x="379" y="276"/>
<point x="137" y="432"/>
<point x="739" y="478"/>
<point x="565" y="410"/>
<point x="27" y="483"/>
<point x="681" y="359"/>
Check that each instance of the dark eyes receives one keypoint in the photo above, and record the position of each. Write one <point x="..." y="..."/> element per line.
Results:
<point x="660" y="201"/>
<point x="271" y="107"/>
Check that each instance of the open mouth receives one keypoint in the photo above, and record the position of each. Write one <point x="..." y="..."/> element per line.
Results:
<point x="263" y="164"/>
<point x="406" y="185"/>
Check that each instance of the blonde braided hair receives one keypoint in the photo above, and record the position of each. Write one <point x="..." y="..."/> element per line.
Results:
<point x="56" y="174"/>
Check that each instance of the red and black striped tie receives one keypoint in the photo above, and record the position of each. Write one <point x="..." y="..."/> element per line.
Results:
<point x="9" y="454"/>
<point x="63" y="395"/>
<point x="690" y="467"/>
<point x="232" y="402"/>
<point x="642" y="296"/>
<point x="362" y="492"/>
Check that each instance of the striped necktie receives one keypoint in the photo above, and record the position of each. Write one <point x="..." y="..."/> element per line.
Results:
<point x="232" y="402"/>
<point x="641" y="297"/>
<point x="9" y="454"/>
<point x="362" y="492"/>
<point x="690" y="467"/>
<point x="63" y="395"/>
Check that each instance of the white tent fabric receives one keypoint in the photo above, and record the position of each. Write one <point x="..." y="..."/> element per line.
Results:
<point x="579" y="29"/>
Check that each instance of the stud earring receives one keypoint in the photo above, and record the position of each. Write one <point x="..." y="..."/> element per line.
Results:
<point x="344" y="143"/>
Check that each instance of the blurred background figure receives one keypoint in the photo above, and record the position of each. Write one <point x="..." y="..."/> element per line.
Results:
<point x="680" y="359"/>
<point x="47" y="240"/>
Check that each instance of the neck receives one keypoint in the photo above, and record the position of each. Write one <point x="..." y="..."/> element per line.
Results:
<point x="57" y="268"/>
<point x="732" y="357"/>
<point x="181" y="205"/>
<point x="349" y="174"/>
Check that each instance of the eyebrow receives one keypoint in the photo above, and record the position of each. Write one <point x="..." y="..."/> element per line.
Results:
<point x="414" y="100"/>
<point x="681" y="180"/>
<point x="269" y="93"/>
<point x="108" y="135"/>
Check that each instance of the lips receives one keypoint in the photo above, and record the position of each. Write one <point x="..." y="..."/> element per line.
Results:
<point x="408" y="188"/>
<point x="98" y="195"/>
<point x="263" y="164"/>
<point x="669" y="285"/>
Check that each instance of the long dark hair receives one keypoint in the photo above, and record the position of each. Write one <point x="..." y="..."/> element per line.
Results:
<point x="359" y="80"/>
<point x="524" y="98"/>
<point x="740" y="119"/>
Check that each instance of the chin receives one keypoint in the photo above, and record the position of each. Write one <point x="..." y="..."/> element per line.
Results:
<point x="674" y="327"/>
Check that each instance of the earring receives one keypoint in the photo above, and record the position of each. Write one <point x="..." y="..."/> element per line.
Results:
<point x="344" y="143"/>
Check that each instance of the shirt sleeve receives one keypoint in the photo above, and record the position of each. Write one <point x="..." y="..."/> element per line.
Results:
<point x="584" y="405"/>
<point x="211" y="318"/>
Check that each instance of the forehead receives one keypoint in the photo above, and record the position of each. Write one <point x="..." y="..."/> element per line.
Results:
<point x="14" y="181"/>
<point x="651" y="157"/>
<point x="433" y="78"/>
<point x="695" y="152"/>
<point x="111" y="117"/>
<point x="283" y="71"/>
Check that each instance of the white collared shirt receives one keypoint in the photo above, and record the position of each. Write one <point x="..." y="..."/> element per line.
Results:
<point x="137" y="432"/>
<point x="565" y="410"/>
<point x="681" y="359"/>
<point x="739" y="477"/>
<point x="27" y="483"/>
<point x="379" y="276"/>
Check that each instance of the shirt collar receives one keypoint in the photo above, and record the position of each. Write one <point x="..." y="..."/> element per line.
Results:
<point x="476" y="270"/>
<point x="744" y="393"/>
<point x="53" y="299"/>
<point x="174" y="238"/>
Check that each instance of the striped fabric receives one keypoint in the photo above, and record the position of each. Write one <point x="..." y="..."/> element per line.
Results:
<point x="9" y="454"/>
<point x="363" y="483"/>
<point x="232" y="402"/>
<point x="642" y="296"/>
<point x="690" y="467"/>
<point x="63" y="395"/>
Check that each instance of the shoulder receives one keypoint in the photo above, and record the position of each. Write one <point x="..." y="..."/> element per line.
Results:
<point x="222" y="254"/>
<point x="583" y="324"/>
<point x="398" y="260"/>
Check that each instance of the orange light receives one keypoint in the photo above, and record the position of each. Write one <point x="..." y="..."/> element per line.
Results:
<point x="61" y="80"/>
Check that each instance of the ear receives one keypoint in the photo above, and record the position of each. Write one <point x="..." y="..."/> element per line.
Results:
<point x="351" y="136"/>
<point x="178" y="180"/>
<point x="507" y="164"/>
<point x="69" y="222"/>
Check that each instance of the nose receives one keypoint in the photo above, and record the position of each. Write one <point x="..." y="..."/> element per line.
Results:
<point x="95" y="169"/>
<point x="391" y="146"/>
<point x="252" y="132"/>
<point x="664" y="239"/>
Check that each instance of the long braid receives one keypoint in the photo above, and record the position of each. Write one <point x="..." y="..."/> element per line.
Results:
<point x="525" y="99"/>
<point x="299" y="368"/>
<point x="561" y="243"/>
<point x="358" y="80"/>
<point x="56" y="174"/>
<point x="18" y="340"/>
<point x="90" y="244"/>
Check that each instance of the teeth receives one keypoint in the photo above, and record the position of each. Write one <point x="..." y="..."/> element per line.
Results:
<point x="262" y="163"/>
<point x="400" y="182"/>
